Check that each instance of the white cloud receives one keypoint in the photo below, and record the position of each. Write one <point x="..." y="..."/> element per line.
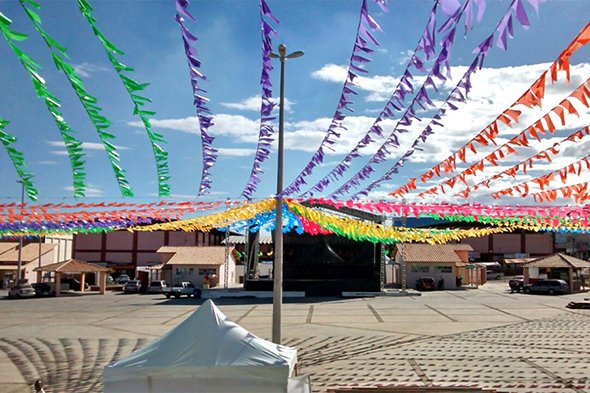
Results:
<point x="239" y="127"/>
<point x="91" y="191"/>
<point x="85" y="146"/>
<point x="253" y="104"/>
<point x="405" y="56"/>
<point x="379" y="86"/>
<point x="47" y="162"/>
<point x="86" y="70"/>
<point x="235" y="152"/>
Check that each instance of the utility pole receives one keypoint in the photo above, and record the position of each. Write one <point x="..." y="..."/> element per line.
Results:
<point x="226" y="263"/>
<point x="402" y="251"/>
<point x="20" y="238"/>
<point x="277" y="270"/>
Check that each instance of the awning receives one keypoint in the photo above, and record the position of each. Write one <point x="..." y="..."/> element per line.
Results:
<point x="9" y="267"/>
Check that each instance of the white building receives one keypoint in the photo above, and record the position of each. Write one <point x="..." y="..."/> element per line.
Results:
<point x="194" y="263"/>
<point x="446" y="261"/>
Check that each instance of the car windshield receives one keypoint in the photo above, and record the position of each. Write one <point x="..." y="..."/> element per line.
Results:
<point x="156" y="284"/>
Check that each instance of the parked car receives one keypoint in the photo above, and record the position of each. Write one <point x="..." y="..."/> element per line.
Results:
<point x="122" y="279"/>
<point x="132" y="286"/>
<point x="426" y="284"/>
<point x="516" y="283"/>
<point x="550" y="287"/>
<point x="75" y="285"/>
<point x="20" y="291"/>
<point x="42" y="289"/>
<point x="185" y="288"/>
<point x="157" y="286"/>
<point x="492" y="275"/>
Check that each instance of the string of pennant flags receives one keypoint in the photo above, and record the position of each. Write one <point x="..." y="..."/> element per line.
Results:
<point x="301" y="216"/>
<point x="532" y="97"/>
<point x="457" y="95"/>
<point x="431" y="57"/>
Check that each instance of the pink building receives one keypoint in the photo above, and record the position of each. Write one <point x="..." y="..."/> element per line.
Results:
<point x="131" y="252"/>
<point x="511" y="245"/>
<point x="32" y="256"/>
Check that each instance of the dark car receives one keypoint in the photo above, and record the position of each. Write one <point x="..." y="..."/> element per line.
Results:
<point x="516" y="283"/>
<point x="550" y="287"/>
<point x="426" y="284"/>
<point x="42" y="289"/>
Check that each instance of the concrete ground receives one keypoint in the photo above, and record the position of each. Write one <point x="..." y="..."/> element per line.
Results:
<point x="482" y="337"/>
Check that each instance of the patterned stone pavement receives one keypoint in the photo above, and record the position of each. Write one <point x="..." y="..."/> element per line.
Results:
<point x="481" y="338"/>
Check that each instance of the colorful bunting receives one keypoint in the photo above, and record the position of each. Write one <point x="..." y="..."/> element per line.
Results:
<point x="199" y="100"/>
<point x="217" y="220"/>
<point x="133" y="87"/>
<point x="362" y="47"/>
<point x="528" y="163"/>
<point x="73" y="145"/>
<point x="532" y="97"/>
<point x="457" y="95"/>
<point x="426" y="44"/>
<point x="523" y="189"/>
<point x="578" y="192"/>
<point x="266" y="131"/>
<point x="18" y="160"/>
<point x="538" y="127"/>
<point x="90" y="103"/>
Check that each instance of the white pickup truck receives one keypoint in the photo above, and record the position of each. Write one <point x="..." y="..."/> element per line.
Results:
<point x="185" y="288"/>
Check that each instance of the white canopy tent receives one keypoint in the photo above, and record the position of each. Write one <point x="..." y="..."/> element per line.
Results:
<point x="207" y="353"/>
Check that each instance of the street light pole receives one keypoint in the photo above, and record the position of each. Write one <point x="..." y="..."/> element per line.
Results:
<point x="277" y="270"/>
<point x="20" y="238"/>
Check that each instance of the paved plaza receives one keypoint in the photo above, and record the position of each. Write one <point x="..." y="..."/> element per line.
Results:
<point x="482" y="337"/>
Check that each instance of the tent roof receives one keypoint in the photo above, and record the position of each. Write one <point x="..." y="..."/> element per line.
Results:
<point x="559" y="260"/>
<point x="72" y="266"/>
<point x="207" y="338"/>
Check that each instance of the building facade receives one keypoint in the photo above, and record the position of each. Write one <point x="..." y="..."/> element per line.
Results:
<point x="127" y="252"/>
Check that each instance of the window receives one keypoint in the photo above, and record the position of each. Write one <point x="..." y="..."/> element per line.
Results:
<point x="420" y="269"/>
<point x="203" y="271"/>
<point x="444" y="269"/>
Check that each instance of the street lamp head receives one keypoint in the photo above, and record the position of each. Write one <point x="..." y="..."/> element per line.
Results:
<point x="295" y="55"/>
<point x="282" y="50"/>
<point x="274" y="56"/>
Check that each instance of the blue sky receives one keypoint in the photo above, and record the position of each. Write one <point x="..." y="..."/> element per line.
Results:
<point x="229" y="48"/>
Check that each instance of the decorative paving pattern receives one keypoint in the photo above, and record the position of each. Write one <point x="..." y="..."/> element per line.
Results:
<point x="542" y="356"/>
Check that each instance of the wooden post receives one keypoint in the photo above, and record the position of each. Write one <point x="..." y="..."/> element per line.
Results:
<point x="103" y="282"/>
<point x="57" y="283"/>
<point x="83" y="282"/>
<point x="525" y="271"/>
<point x="571" y="279"/>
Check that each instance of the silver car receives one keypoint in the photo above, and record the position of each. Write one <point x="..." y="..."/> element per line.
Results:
<point x="20" y="291"/>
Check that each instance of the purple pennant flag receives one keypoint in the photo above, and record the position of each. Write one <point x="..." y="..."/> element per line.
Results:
<point x="521" y="15"/>
<point x="200" y="101"/>
<point x="465" y="83"/>
<point x="450" y="7"/>
<point x="266" y="131"/>
<point x="364" y="38"/>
